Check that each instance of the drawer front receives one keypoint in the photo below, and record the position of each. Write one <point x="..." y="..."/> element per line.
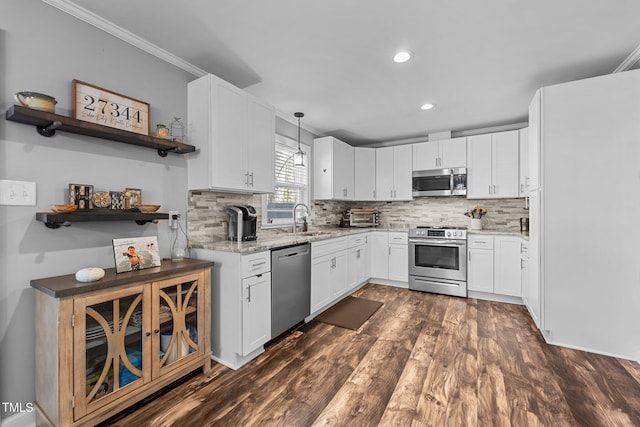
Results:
<point x="480" y="241"/>
<point x="257" y="263"/>
<point x="326" y="247"/>
<point x="357" y="240"/>
<point x="398" y="238"/>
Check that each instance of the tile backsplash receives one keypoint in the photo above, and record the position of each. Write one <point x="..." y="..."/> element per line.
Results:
<point x="207" y="221"/>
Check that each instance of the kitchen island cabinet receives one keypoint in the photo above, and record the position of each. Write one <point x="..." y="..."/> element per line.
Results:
<point x="102" y="346"/>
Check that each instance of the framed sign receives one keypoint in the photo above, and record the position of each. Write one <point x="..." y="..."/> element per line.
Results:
<point x="104" y="107"/>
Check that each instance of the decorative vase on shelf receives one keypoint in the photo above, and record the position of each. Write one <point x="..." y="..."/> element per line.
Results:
<point x="476" y="224"/>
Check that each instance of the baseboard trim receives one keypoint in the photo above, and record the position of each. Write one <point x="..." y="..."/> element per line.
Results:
<point x="495" y="297"/>
<point x="396" y="283"/>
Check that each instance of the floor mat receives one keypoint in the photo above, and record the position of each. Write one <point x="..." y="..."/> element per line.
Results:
<point x="350" y="313"/>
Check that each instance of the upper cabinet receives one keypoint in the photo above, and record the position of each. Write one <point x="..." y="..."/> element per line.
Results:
<point x="364" y="173"/>
<point x="523" y="189"/>
<point x="448" y="153"/>
<point x="492" y="165"/>
<point x="235" y="133"/>
<point x="393" y="172"/>
<point x="333" y="162"/>
<point x="535" y="123"/>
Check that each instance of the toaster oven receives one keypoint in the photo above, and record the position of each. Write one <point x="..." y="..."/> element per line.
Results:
<point x="363" y="218"/>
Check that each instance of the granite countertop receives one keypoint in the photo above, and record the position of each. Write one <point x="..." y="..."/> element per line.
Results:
<point x="287" y="239"/>
<point x="500" y="232"/>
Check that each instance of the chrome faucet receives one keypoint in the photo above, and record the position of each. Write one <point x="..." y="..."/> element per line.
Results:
<point x="293" y="227"/>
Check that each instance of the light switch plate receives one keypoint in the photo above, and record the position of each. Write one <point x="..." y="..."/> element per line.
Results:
<point x="17" y="193"/>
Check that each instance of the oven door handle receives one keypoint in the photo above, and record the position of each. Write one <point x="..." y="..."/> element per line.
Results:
<point x="437" y="242"/>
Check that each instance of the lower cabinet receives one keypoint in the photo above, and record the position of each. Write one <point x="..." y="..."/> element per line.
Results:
<point x="358" y="260"/>
<point x="240" y="305"/>
<point x="494" y="264"/>
<point x="101" y="351"/>
<point x="390" y="256"/>
<point x="328" y="272"/>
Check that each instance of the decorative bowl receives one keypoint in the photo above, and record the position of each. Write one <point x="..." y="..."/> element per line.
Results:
<point x="36" y="101"/>
<point x="63" y="208"/>
<point x="148" y="208"/>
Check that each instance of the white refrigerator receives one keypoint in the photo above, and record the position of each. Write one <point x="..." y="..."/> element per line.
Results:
<point x="584" y="241"/>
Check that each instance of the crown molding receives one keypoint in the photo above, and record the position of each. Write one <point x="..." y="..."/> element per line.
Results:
<point x="629" y="61"/>
<point x="109" y="27"/>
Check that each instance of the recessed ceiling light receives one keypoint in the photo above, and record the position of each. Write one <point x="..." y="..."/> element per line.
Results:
<point x="427" y="106"/>
<point x="402" y="56"/>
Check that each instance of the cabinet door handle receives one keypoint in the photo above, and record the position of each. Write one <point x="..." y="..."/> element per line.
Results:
<point x="522" y="188"/>
<point x="390" y="193"/>
<point x="246" y="178"/>
<point x="374" y="194"/>
<point x="494" y="189"/>
<point x="489" y="188"/>
<point x="469" y="256"/>
<point x="251" y="175"/>
<point x="358" y="254"/>
<point x="156" y="331"/>
<point x="148" y="333"/>
<point x="258" y="264"/>
<point x="389" y="250"/>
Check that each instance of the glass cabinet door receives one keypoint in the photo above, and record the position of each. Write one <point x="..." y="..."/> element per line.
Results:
<point x="112" y="335"/>
<point x="176" y="321"/>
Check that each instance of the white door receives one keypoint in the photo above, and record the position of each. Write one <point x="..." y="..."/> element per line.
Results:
<point x="402" y="163"/>
<point x="507" y="266"/>
<point x="426" y="156"/>
<point x="399" y="262"/>
<point x="535" y="127"/>
<point x="228" y="167"/>
<point x="384" y="173"/>
<point x="256" y="312"/>
<point x="505" y="164"/>
<point x="353" y="267"/>
<point x="260" y="146"/>
<point x="523" y="163"/>
<point x="380" y="254"/>
<point x="453" y="153"/>
<point x="480" y="270"/>
<point x="534" y="283"/>
<point x="364" y="173"/>
<point x="343" y="163"/>
<point x="479" y="166"/>
<point x="320" y="282"/>
<point x="339" y="275"/>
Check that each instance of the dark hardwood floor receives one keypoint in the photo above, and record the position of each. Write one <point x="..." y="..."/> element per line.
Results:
<point x="421" y="360"/>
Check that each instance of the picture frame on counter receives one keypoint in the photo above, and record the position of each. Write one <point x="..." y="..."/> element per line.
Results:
<point x="108" y="108"/>
<point x="136" y="253"/>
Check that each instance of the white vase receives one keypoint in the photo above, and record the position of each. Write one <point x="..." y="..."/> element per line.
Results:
<point x="476" y="224"/>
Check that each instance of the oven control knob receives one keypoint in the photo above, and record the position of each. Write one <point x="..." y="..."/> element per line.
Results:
<point x="448" y="234"/>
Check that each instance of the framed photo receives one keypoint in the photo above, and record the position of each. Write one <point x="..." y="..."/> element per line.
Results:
<point x="104" y="107"/>
<point x="81" y="195"/>
<point x="136" y="253"/>
<point x="132" y="197"/>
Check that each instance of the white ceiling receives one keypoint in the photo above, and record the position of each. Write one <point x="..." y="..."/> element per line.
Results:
<point x="479" y="61"/>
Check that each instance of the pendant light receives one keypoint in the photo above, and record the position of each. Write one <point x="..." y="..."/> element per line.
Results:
<point x="298" y="157"/>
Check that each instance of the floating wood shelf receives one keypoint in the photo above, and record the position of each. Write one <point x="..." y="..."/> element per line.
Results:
<point x="48" y="123"/>
<point x="56" y="220"/>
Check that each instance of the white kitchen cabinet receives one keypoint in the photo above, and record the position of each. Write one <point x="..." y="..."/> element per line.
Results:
<point x="328" y="272"/>
<point x="390" y="256"/>
<point x="234" y="132"/>
<point x="240" y="305"/>
<point x="333" y="169"/>
<point x="534" y="140"/>
<point x="533" y="289"/>
<point x="364" y="173"/>
<point x="523" y="163"/>
<point x="508" y="265"/>
<point x="480" y="263"/>
<point x="448" y="153"/>
<point x="256" y="312"/>
<point x="492" y="165"/>
<point x="393" y="172"/>
<point x="358" y="263"/>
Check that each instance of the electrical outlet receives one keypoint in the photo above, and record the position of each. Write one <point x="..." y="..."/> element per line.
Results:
<point x="17" y="193"/>
<point x="173" y="223"/>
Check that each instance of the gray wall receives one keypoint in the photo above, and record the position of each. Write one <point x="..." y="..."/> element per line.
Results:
<point x="43" y="49"/>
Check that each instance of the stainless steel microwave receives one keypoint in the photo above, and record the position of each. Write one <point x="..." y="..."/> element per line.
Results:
<point x="439" y="182"/>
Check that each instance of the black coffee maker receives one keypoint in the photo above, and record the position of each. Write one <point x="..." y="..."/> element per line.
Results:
<point x="242" y="223"/>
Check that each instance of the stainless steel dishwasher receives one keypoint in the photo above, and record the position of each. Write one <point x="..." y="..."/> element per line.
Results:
<point x="290" y="287"/>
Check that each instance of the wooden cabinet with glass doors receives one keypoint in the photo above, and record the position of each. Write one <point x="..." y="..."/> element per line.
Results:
<point x="125" y="343"/>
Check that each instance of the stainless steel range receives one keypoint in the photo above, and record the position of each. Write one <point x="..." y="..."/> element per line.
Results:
<point x="438" y="260"/>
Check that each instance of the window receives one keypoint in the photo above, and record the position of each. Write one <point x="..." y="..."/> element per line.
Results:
<point x="292" y="185"/>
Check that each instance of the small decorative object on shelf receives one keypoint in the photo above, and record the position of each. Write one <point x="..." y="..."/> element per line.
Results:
<point x="63" y="208"/>
<point x="90" y="274"/>
<point x="104" y="107"/>
<point x="101" y="200"/>
<point x="148" y="208"/>
<point x="162" y="131"/>
<point x="117" y="199"/>
<point x="136" y="253"/>
<point x="81" y="195"/>
<point x="177" y="130"/>
<point x="476" y="215"/>
<point x="36" y="101"/>
<point x="132" y="197"/>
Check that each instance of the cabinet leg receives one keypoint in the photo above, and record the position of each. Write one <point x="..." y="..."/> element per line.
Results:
<point x="206" y="366"/>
